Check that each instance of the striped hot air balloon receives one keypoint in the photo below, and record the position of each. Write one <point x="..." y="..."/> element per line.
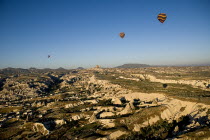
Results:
<point x="122" y="34"/>
<point x="162" y="17"/>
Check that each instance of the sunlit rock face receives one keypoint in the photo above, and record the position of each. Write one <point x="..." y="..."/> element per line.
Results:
<point x="60" y="122"/>
<point x="106" y="114"/>
<point x="38" y="127"/>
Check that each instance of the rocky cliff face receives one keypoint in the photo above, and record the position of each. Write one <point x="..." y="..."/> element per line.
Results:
<point x="14" y="89"/>
<point x="204" y="84"/>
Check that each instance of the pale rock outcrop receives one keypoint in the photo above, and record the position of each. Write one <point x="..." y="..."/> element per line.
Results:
<point x="60" y="122"/>
<point x="177" y="108"/>
<point x="69" y="106"/>
<point x="118" y="109"/>
<point x="155" y="101"/>
<point x="76" y="117"/>
<point x="106" y="114"/>
<point x="93" y="118"/>
<point x="116" y="134"/>
<point x="195" y="83"/>
<point x="176" y="130"/>
<point x="137" y="127"/>
<point x="91" y="101"/>
<point x="107" y="123"/>
<point x="116" y="101"/>
<point x="64" y="84"/>
<point x="105" y="108"/>
<point x="129" y="108"/>
<point x="39" y="127"/>
<point x="153" y="120"/>
<point x="106" y="85"/>
<point x="40" y="116"/>
<point x="144" y="96"/>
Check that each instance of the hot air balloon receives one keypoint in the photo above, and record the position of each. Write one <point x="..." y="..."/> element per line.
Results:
<point x="162" y="17"/>
<point x="48" y="56"/>
<point x="122" y="34"/>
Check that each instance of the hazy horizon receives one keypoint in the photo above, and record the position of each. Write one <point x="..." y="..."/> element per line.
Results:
<point x="85" y="33"/>
<point x="92" y="66"/>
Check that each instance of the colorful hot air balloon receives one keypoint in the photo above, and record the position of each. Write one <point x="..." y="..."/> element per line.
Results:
<point x="162" y="17"/>
<point x="122" y="34"/>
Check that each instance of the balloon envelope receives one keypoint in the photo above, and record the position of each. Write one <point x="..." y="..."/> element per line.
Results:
<point x="122" y="34"/>
<point x="162" y="17"/>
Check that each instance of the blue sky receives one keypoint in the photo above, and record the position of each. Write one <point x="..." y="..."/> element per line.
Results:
<point x="85" y="33"/>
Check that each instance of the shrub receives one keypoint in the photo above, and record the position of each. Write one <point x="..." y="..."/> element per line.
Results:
<point x="165" y="85"/>
<point x="105" y="102"/>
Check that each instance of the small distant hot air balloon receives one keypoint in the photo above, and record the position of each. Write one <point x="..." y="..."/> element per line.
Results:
<point x="122" y="34"/>
<point x="162" y="17"/>
<point x="48" y="56"/>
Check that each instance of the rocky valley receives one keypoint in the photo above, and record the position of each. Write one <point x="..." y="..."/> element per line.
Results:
<point x="105" y="104"/>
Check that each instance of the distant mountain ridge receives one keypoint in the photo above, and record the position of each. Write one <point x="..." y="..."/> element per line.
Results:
<point x="80" y="68"/>
<point x="27" y="71"/>
<point x="133" y="66"/>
